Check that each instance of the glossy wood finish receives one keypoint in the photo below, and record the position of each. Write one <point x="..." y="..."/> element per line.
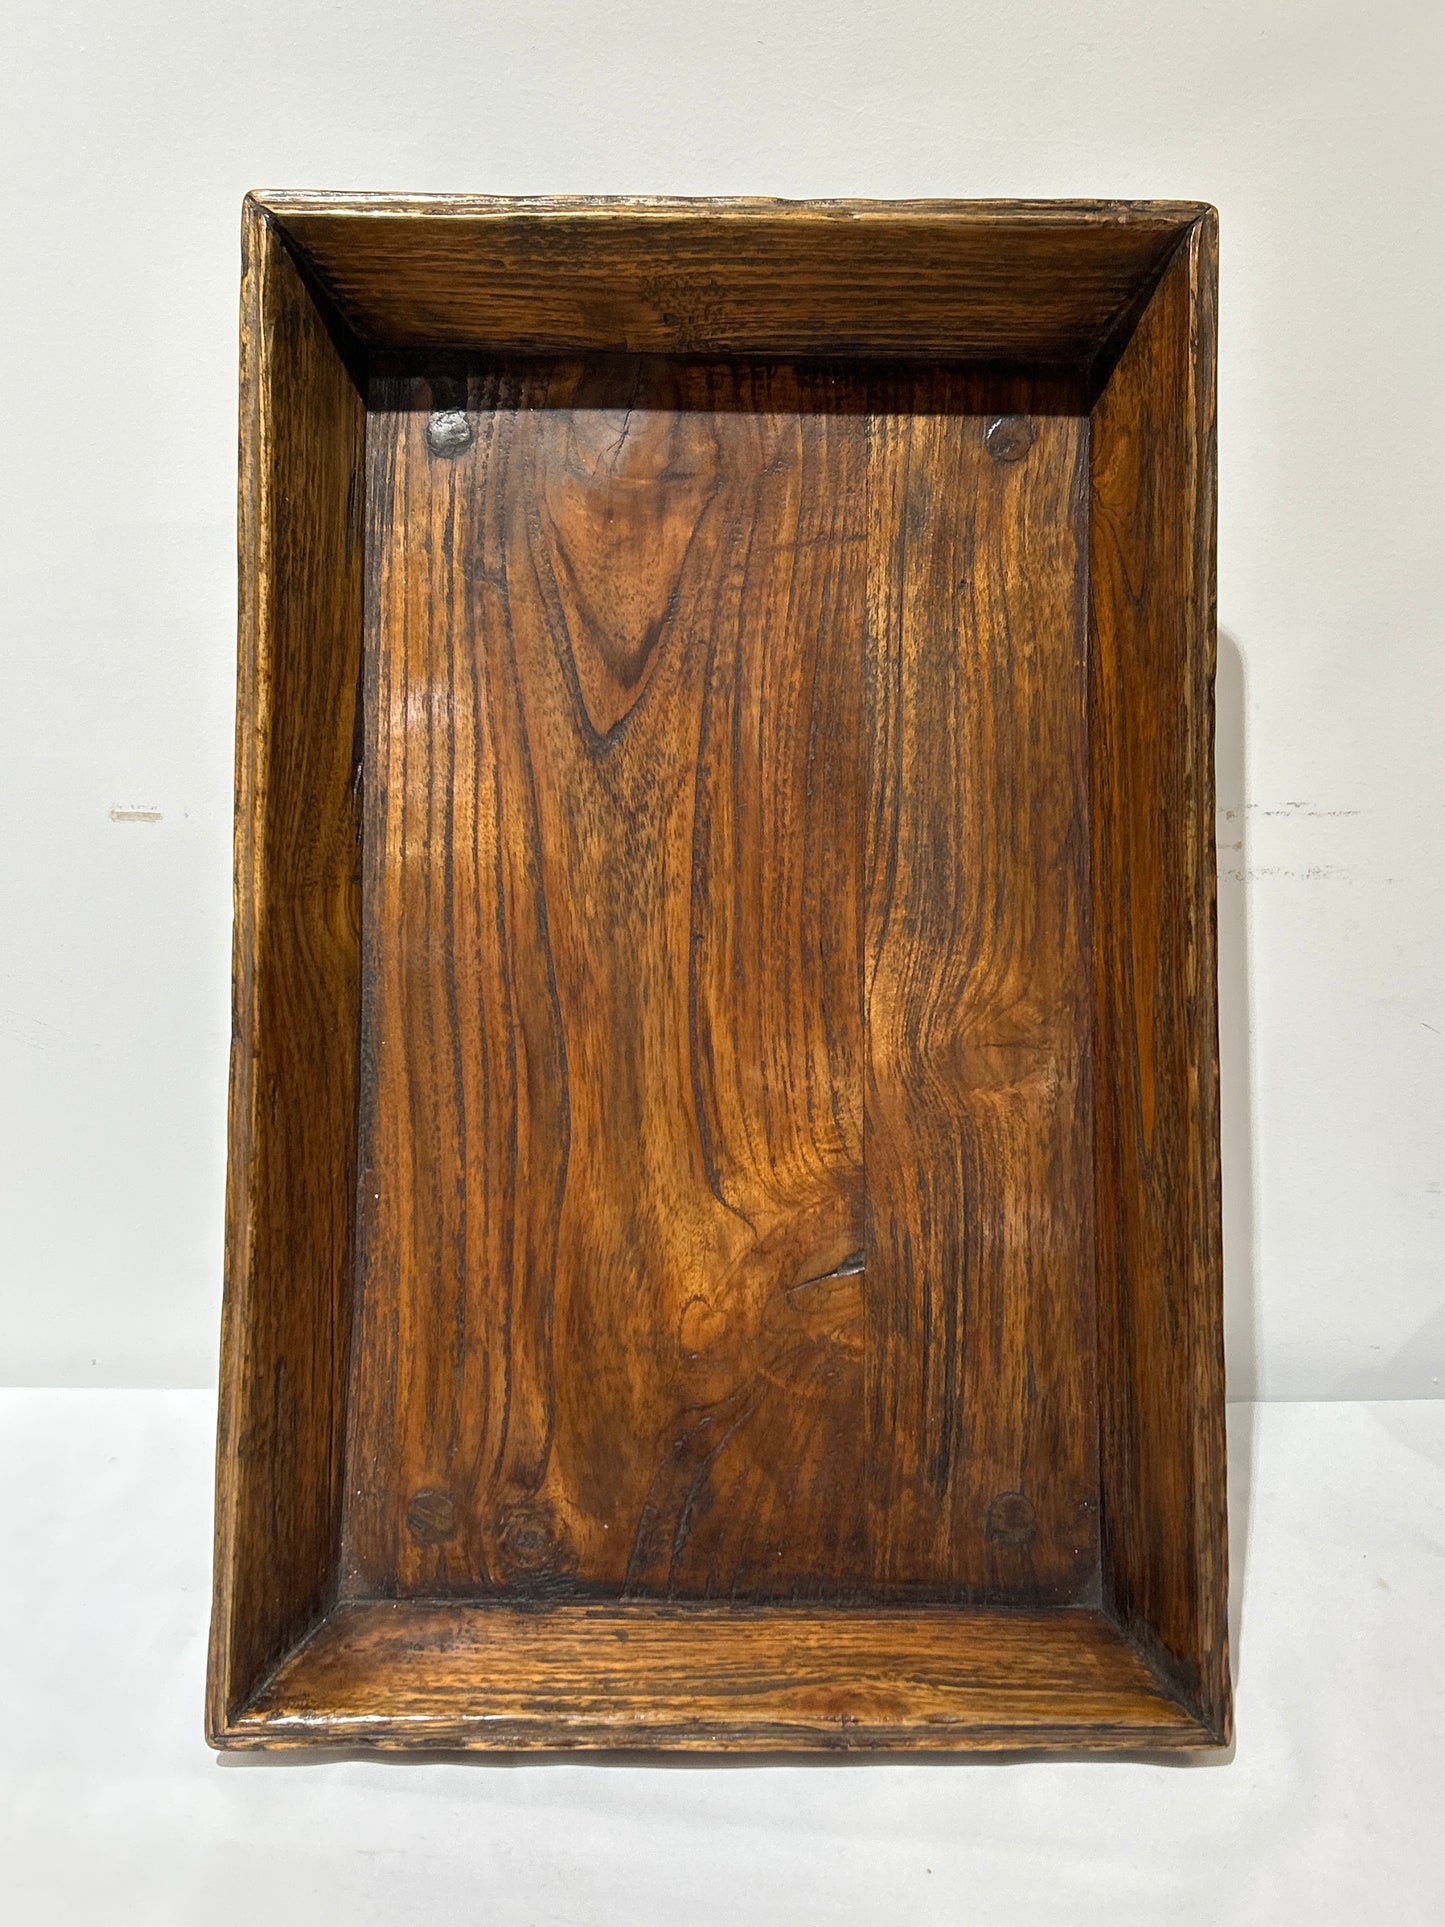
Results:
<point x="769" y="1225"/>
<point x="296" y="981"/>
<point x="633" y="1013"/>
<point x="835" y="1680"/>
<point x="980" y="1312"/>
<point x="613" y="1116"/>
<point x="1156" y="1138"/>
<point x="1025" y="282"/>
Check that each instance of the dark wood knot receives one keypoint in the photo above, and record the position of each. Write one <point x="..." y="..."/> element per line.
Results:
<point x="1010" y="1519"/>
<point x="431" y="1517"/>
<point x="531" y="1548"/>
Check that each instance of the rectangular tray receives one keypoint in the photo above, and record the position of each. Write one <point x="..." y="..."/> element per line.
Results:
<point x="723" y="1222"/>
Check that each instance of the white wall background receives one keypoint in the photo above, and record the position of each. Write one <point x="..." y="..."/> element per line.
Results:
<point x="129" y="135"/>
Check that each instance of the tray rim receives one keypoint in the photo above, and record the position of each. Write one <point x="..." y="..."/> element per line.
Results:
<point x="1101" y="211"/>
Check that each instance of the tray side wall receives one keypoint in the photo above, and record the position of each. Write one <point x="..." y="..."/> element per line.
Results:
<point x="419" y="1674"/>
<point x="1033" y="283"/>
<point x="1157" y="1075"/>
<point x="291" y="1167"/>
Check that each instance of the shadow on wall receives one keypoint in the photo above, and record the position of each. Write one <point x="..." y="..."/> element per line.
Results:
<point x="1241" y="1295"/>
<point x="1411" y="1364"/>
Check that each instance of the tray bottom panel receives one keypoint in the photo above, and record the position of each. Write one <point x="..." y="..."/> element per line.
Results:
<point x="726" y="1162"/>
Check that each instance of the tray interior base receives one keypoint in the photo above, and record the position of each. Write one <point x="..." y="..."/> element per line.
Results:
<point x="726" y="1226"/>
<point x="449" y="1675"/>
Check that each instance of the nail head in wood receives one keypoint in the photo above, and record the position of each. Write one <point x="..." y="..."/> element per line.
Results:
<point x="1010" y="438"/>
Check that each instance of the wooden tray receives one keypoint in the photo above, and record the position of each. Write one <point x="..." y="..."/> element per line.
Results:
<point x="723" y="1207"/>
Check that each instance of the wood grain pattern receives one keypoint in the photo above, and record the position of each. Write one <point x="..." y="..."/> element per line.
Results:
<point x="618" y="1329"/>
<point x="292" y="1164"/>
<point x="1038" y="282"/>
<point x="613" y="1114"/>
<point x="1157" y="1122"/>
<point x="977" y="1156"/>
<point x="723" y="1238"/>
<point x="812" y="1679"/>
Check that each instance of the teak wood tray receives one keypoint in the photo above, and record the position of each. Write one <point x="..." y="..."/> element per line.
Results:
<point x="723" y="1202"/>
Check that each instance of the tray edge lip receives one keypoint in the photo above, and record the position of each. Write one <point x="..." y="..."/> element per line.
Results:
<point x="248" y="814"/>
<point x="1065" y="211"/>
